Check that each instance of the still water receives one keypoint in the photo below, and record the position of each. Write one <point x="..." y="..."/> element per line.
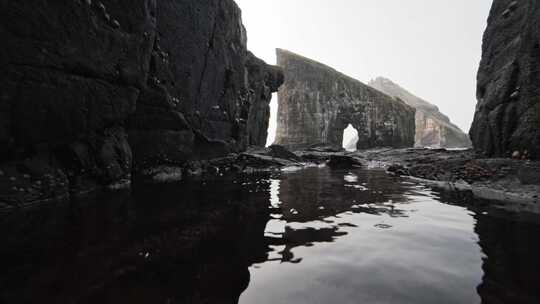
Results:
<point x="310" y="236"/>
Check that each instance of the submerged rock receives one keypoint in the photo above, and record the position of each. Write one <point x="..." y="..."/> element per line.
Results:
<point x="433" y="128"/>
<point x="316" y="103"/>
<point x="507" y="115"/>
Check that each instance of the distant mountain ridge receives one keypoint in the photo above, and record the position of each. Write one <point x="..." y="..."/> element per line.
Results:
<point x="433" y="128"/>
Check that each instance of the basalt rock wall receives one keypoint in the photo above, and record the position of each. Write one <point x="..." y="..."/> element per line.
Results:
<point x="316" y="103"/>
<point x="433" y="128"/>
<point x="92" y="91"/>
<point x="507" y="118"/>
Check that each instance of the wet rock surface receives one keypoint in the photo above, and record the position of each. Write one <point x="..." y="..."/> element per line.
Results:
<point x="433" y="128"/>
<point x="253" y="160"/>
<point x="508" y="110"/>
<point x="511" y="181"/>
<point x="100" y="91"/>
<point x="316" y="103"/>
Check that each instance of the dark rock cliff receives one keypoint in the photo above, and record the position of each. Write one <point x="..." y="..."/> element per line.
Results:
<point x="271" y="78"/>
<point x="92" y="91"/>
<point x="507" y="115"/>
<point x="433" y="128"/>
<point x="316" y="103"/>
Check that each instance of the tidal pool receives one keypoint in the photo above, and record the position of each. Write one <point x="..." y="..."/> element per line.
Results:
<point x="309" y="236"/>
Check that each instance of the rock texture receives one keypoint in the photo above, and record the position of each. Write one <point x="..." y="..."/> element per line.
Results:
<point x="263" y="81"/>
<point x="92" y="91"/>
<point x="507" y="116"/>
<point x="316" y="103"/>
<point x="433" y="128"/>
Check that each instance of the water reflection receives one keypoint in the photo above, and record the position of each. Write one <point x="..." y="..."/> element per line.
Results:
<point x="316" y="197"/>
<point x="164" y="244"/>
<point x="311" y="236"/>
<point x="512" y="261"/>
<point x="509" y="242"/>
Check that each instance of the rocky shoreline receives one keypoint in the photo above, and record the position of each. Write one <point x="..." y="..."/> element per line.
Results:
<point x="513" y="182"/>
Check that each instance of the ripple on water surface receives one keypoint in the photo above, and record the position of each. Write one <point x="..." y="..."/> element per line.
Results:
<point x="365" y="237"/>
<point x="302" y="236"/>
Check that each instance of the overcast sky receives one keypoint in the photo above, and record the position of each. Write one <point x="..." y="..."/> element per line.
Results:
<point x="430" y="47"/>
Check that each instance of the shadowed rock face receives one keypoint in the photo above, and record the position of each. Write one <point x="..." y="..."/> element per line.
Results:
<point x="263" y="81"/>
<point x="209" y="93"/>
<point x="507" y="115"/>
<point x="92" y="89"/>
<point x="316" y="103"/>
<point x="433" y="128"/>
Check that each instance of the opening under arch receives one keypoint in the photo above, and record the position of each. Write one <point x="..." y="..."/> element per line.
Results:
<point x="350" y="138"/>
<point x="272" y="124"/>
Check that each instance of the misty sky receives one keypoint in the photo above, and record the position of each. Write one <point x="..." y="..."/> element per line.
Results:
<point x="430" y="47"/>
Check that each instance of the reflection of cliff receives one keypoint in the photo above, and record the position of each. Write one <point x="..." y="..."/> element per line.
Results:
<point x="319" y="193"/>
<point x="510" y="244"/>
<point x="512" y="266"/>
<point x="172" y="244"/>
<point x="314" y="196"/>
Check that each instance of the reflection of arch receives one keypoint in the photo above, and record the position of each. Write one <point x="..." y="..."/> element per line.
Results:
<point x="305" y="191"/>
<point x="309" y="195"/>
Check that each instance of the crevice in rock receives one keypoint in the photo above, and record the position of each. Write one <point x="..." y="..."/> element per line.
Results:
<point x="206" y="55"/>
<point x="76" y="73"/>
<point x="481" y="91"/>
